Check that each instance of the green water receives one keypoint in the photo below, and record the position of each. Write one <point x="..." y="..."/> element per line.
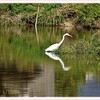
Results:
<point x="26" y="70"/>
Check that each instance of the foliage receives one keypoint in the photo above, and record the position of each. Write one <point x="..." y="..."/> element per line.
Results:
<point x="19" y="8"/>
<point x="88" y="13"/>
<point x="83" y="47"/>
<point x="3" y="8"/>
<point x="52" y="14"/>
<point x="51" y="7"/>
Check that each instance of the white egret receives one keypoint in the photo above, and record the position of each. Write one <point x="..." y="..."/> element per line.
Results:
<point x="56" y="45"/>
<point x="55" y="57"/>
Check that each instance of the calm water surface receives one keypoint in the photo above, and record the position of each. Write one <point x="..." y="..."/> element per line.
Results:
<point x="26" y="70"/>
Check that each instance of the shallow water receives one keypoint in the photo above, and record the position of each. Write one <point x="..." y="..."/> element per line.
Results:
<point x="26" y="70"/>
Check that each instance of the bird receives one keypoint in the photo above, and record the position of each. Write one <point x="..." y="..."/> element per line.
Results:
<point x="55" y="57"/>
<point x="55" y="46"/>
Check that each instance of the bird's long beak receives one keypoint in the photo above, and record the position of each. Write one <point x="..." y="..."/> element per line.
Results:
<point x="70" y="35"/>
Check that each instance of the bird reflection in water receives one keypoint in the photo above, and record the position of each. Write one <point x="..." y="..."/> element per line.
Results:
<point x="55" y="57"/>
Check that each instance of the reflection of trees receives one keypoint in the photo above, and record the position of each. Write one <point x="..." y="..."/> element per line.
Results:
<point x="12" y="78"/>
<point x="37" y="36"/>
<point x="67" y="83"/>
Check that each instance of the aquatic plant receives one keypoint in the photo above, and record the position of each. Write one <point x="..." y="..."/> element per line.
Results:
<point x="83" y="47"/>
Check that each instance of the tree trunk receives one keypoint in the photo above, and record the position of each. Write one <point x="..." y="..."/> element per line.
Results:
<point x="37" y="37"/>
<point x="37" y="17"/>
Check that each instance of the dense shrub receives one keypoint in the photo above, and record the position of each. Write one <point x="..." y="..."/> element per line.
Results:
<point x="53" y="14"/>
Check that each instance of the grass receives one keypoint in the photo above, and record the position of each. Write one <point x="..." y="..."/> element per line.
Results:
<point x="83" y="47"/>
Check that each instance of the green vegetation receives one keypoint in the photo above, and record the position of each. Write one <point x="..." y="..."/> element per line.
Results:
<point x="50" y="14"/>
<point x="24" y="47"/>
<point x="83" y="47"/>
<point x="88" y="47"/>
<point x="89" y="13"/>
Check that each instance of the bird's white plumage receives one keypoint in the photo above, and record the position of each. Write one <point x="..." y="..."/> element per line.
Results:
<point x="54" y="47"/>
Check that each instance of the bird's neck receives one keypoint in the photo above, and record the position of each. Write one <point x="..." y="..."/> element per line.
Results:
<point x="62" y="63"/>
<point x="61" y="40"/>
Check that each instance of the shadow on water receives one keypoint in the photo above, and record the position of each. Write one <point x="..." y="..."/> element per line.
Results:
<point x="25" y="70"/>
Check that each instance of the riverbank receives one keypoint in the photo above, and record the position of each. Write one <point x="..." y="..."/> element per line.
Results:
<point x="65" y="15"/>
